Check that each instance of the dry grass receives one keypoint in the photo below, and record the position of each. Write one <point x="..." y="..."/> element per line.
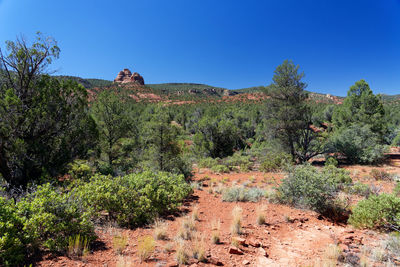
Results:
<point x="124" y="262"/>
<point x="119" y="243"/>
<point x="260" y="212"/>
<point x="187" y="229"/>
<point x="215" y="231"/>
<point x="182" y="256"/>
<point x="236" y="226"/>
<point x="199" y="247"/>
<point x="146" y="247"/>
<point x="195" y="213"/>
<point x="160" y="230"/>
<point x="169" y="247"/>
<point x="78" y="246"/>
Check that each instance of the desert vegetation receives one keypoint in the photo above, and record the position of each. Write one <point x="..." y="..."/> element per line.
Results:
<point x="75" y="160"/>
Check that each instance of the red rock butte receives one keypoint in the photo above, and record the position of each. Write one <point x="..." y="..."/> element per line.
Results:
<point x="126" y="76"/>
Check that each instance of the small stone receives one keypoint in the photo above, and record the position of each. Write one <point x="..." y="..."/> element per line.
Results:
<point x="245" y="262"/>
<point x="235" y="250"/>
<point x="254" y="243"/>
<point x="215" y="261"/>
<point x="172" y="264"/>
<point x="262" y="252"/>
<point x="239" y="240"/>
<point x="343" y="247"/>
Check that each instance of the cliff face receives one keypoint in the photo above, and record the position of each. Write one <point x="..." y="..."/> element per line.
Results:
<point x="126" y="76"/>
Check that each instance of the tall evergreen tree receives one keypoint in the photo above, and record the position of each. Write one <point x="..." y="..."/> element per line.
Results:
<point x="288" y="113"/>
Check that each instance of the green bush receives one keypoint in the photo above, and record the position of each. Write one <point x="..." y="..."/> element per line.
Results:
<point x="396" y="189"/>
<point x="274" y="162"/>
<point x="134" y="199"/>
<point x="51" y="216"/>
<point x="220" y="169"/>
<point x="331" y="161"/>
<point x="238" y="160"/>
<point x="358" y="189"/>
<point x="376" y="212"/>
<point x="80" y="169"/>
<point x="13" y="240"/>
<point x="359" y="144"/>
<point x="208" y="162"/>
<point x="243" y="194"/>
<point x="336" y="175"/>
<point x="307" y="187"/>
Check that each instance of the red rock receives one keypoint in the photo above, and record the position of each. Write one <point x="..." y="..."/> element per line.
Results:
<point x="172" y="264"/>
<point x="254" y="243"/>
<point x="235" y="250"/>
<point x="343" y="247"/>
<point x="215" y="261"/>
<point x="126" y="76"/>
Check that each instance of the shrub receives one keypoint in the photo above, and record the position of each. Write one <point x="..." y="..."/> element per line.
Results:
<point x="80" y="169"/>
<point x="274" y="162"/>
<point x="215" y="234"/>
<point x="359" y="144"/>
<point x="134" y="199"/>
<point x="243" y="194"/>
<point x="396" y="189"/>
<point x="208" y="162"/>
<point x="146" y="247"/>
<point x="331" y="161"/>
<point x="336" y="176"/>
<point x="380" y="175"/>
<point x="376" y="212"/>
<point x="52" y="216"/>
<point x="359" y="189"/>
<point x="13" y="240"/>
<point x="306" y="187"/>
<point x="220" y="169"/>
<point x="237" y="160"/>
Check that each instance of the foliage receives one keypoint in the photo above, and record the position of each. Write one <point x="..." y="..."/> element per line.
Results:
<point x="220" y="169"/>
<point x="361" y="107"/>
<point x="289" y="114"/>
<point x="80" y="169"/>
<point x="274" y="162"/>
<point x="359" y="144"/>
<point x="134" y="199"/>
<point x="307" y="187"/>
<point x="111" y="112"/>
<point x="331" y="161"/>
<point x="243" y="194"/>
<point x="208" y="162"/>
<point x="335" y="175"/>
<point x="45" y="123"/>
<point x="13" y="239"/>
<point x="376" y="212"/>
<point x="52" y="216"/>
<point x="163" y="152"/>
<point x="358" y="189"/>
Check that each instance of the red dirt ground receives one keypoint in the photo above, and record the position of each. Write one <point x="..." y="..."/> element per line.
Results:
<point x="290" y="237"/>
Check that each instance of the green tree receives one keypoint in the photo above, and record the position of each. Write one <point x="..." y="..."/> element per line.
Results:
<point x="361" y="106"/>
<point x="112" y="112"/>
<point x="44" y="122"/>
<point x="289" y="115"/>
<point x="160" y="140"/>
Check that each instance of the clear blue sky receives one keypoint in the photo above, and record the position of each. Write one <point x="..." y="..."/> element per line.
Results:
<point x="232" y="44"/>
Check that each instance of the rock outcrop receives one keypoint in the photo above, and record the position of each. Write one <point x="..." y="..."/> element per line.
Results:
<point x="126" y="76"/>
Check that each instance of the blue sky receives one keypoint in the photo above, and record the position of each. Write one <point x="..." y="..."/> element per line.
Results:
<point x="231" y="44"/>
